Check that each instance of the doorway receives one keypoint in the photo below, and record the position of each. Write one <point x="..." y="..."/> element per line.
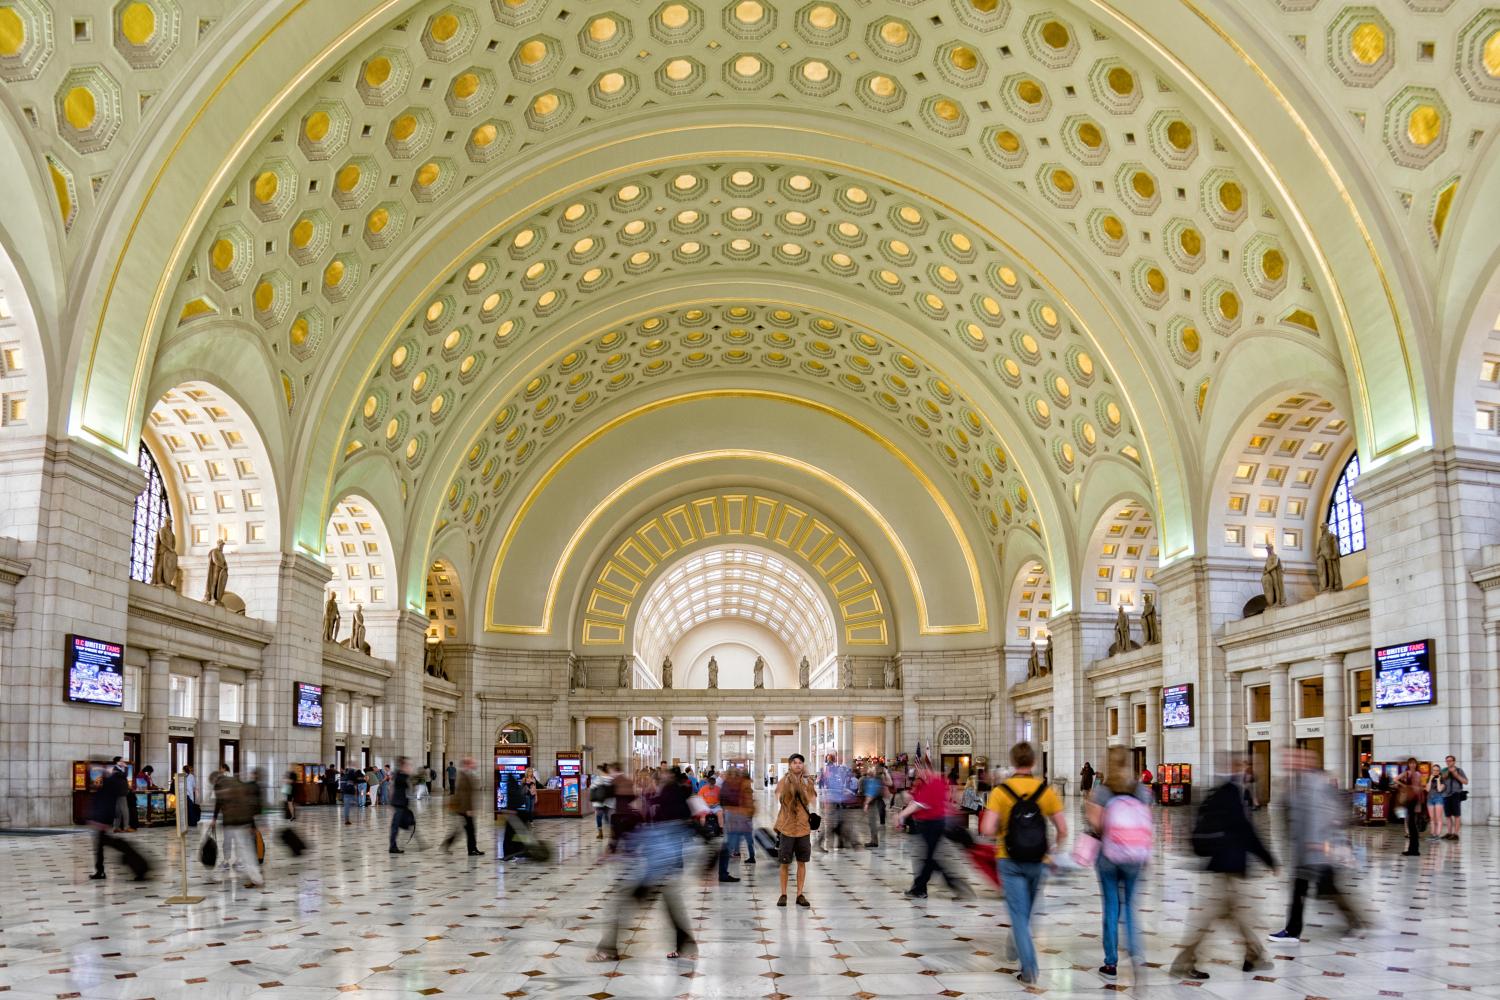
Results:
<point x="956" y="767"/>
<point x="1363" y="753"/>
<point x="1314" y="746"/>
<point x="130" y="749"/>
<point x="229" y="755"/>
<point x="1260" y="762"/>
<point x="338" y="758"/>
<point x="1138" y="757"/>
<point x="364" y="758"/>
<point x="179" y="753"/>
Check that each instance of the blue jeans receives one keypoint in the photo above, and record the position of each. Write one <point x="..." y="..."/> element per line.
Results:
<point x="351" y="802"/>
<point x="1118" y="885"/>
<point x="731" y="839"/>
<point x="1023" y="884"/>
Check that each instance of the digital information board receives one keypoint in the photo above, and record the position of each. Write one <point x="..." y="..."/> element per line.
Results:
<point x="95" y="670"/>
<point x="1403" y="675"/>
<point x="1177" y="706"/>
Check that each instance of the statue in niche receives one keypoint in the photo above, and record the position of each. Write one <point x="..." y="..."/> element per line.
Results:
<point x="713" y="672"/>
<point x="804" y="674"/>
<point x="164" y="573"/>
<point x="760" y="672"/>
<point x="1272" y="578"/>
<point x="666" y="673"/>
<point x="1330" y="575"/>
<point x="218" y="575"/>
<point x="1034" y="662"/>
<point x="892" y="679"/>
<point x="1047" y="655"/>
<point x="356" y="640"/>
<point x="331" y="618"/>
<point x="623" y="678"/>
<point x="846" y="673"/>
<point x="1122" y="643"/>
<point x="580" y="675"/>
<point x="434" y="655"/>
<point x="1150" y="627"/>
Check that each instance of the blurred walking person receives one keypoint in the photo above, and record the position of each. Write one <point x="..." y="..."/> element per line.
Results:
<point x="240" y="804"/>
<point x="872" y="791"/>
<point x="1119" y="813"/>
<point x="1411" y="799"/>
<point x="795" y="795"/>
<point x="1318" y="842"/>
<point x="931" y="811"/>
<point x="103" y="807"/>
<point x="1016" y="815"/>
<point x="601" y="797"/>
<point x="651" y="850"/>
<point x="461" y="807"/>
<point x="1223" y="834"/>
<point x="402" y="817"/>
<point x="737" y="799"/>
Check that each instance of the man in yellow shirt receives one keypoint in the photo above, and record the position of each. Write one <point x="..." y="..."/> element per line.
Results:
<point x="1016" y="815"/>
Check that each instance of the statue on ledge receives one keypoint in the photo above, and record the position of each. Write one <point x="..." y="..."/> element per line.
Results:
<point x="1047" y="655"/>
<point x="623" y="678"/>
<point x="331" y="618"/>
<point x="580" y="675"/>
<point x="713" y="672"/>
<point x="666" y="674"/>
<point x="804" y="674"/>
<point x="892" y="676"/>
<point x="1122" y="643"/>
<point x="1330" y="575"/>
<point x="1272" y="578"/>
<point x="433" y="655"/>
<point x="760" y="672"/>
<point x="1150" y="627"/>
<point x="846" y="673"/>
<point x="218" y="575"/>
<point x="164" y="573"/>
<point x="356" y="640"/>
<point x="1034" y="662"/>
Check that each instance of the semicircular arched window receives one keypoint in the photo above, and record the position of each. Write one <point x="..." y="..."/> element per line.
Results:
<point x="1346" y="517"/>
<point x="151" y="509"/>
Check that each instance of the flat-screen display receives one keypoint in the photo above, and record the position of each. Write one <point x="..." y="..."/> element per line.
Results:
<point x="309" y="705"/>
<point x="95" y="671"/>
<point x="1177" y="706"/>
<point x="1403" y="675"/>
<point x="508" y="768"/>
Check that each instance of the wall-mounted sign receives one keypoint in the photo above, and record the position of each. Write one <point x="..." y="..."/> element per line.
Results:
<point x="1177" y="706"/>
<point x="1362" y="724"/>
<point x="1404" y="676"/>
<point x="95" y="671"/>
<point x="645" y="732"/>
<point x="309" y="705"/>
<point x="1258" y="731"/>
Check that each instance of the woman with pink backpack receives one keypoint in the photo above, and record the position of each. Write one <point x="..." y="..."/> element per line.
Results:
<point x="1119" y="816"/>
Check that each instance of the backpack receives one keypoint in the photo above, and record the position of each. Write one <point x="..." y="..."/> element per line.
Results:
<point x="599" y="793"/>
<point x="1128" y="832"/>
<point x="1026" y="829"/>
<point x="1208" y="829"/>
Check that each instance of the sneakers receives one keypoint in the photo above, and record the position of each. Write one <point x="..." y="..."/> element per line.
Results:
<point x="782" y="900"/>
<point x="728" y="878"/>
<point x="476" y="854"/>
<point x="1109" y="973"/>
<point x="802" y="900"/>
<point x="1411" y="854"/>
<point x="1197" y="975"/>
<point x="397" y="850"/>
<point x="1282" y="937"/>
<point x="96" y="876"/>
<point x="1024" y="979"/>
<point x="1261" y="964"/>
<point x="748" y="861"/>
<point x="914" y="894"/>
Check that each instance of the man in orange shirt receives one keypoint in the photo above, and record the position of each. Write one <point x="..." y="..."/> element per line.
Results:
<point x="795" y="793"/>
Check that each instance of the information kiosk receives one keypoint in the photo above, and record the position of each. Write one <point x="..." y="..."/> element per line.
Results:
<point x="570" y="769"/>
<point x="511" y="761"/>
<point x="1174" y="784"/>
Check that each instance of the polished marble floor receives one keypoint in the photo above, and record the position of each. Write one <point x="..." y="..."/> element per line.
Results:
<point x="348" y="918"/>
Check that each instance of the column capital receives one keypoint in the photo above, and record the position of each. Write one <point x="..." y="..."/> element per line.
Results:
<point x="159" y="657"/>
<point x="1332" y="660"/>
<point x="1280" y="669"/>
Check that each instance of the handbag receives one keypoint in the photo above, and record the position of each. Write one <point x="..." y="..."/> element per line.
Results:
<point x="1086" y="850"/>
<point x="208" y="851"/>
<point x="814" y="821"/>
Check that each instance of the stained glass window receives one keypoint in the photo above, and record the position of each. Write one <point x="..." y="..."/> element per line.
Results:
<point x="150" y="510"/>
<point x="1346" y="518"/>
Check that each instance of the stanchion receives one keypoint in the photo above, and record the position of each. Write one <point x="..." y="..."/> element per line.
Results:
<point x="179" y="782"/>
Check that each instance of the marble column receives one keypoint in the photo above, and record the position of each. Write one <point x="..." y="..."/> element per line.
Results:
<point x="206" y="751"/>
<point x="666" y="739"/>
<point x="1281" y="722"/>
<point x="155" y="705"/>
<point x="1336" y="719"/>
<point x="890" y="737"/>
<point x="1121" y="707"/>
<point x="295" y="654"/>
<point x="804" y="737"/>
<point x="846" y="739"/>
<point x="758" y="764"/>
<point x="329" y="737"/>
<point x="713" y="741"/>
<point x="1153" y="727"/>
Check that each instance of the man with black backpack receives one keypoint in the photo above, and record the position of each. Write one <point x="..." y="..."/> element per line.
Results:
<point x="1016" y="815"/>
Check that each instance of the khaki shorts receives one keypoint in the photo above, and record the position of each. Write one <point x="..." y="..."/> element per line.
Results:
<point x="798" y="847"/>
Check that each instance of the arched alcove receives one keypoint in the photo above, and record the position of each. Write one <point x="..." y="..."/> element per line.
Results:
<point x="357" y="548"/>
<point x="1121" y="560"/>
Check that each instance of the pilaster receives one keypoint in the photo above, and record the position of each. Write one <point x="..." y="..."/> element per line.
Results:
<point x="294" y="654"/>
<point x="1336" y="719"/>
<point x="207" y="749"/>
<point x="154" y="704"/>
<point x="403" y="692"/>
<point x="1070" y="697"/>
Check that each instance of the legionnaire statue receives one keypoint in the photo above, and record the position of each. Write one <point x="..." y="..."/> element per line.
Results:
<point x="1047" y="655"/>
<point x="1150" y="627"/>
<point x="846" y="673"/>
<point x="356" y="639"/>
<point x="623" y="680"/>
<point x="1122" y="642"/>
<point x="760" y="672"/>
<point x="666" y="673"/>
<point x="892" y="682"/>
<point x="218" y="575"/>
<point x="1272" y="578"/>
<point x="713" y="672"/>
<point x="580" y="675"/>
<point x="1330" y="574"/>
<point x="164" y="573"/>
<point x="1034" y="663"/>
<point x="331" y="618"/>
<point x="434" y="655"/>
<point x="804" y="674"/>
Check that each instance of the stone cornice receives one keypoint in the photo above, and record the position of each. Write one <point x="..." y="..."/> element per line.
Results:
<point x="1486" y="577"/>
<point x="1319" y="616"/>
<point x="1409" y="474"/>
<point x="93" y="467"/>
<point x="343" y="658"/>
<point x="1145" y="658"/>
<point x="162" y="619"/>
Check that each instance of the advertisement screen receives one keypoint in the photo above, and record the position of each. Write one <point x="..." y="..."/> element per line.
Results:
<point x="1177" y="706"/>
<point x="509" y="769"/>
<point x="95" y="671"/>
<point x="309" y="705"/>
<point x="1403" y="675"/>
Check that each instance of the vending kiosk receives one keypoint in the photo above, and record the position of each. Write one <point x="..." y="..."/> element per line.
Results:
<point x="88" y="775"/>
<point x="511" y="761"/>
<point x="1174" y="784"/>
<point x="570" y="770"/>
<point x="307" y="788"/>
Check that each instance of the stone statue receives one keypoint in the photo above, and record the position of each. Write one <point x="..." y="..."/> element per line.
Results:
<point x="846" y="673"/>
<point x="760" y="672"/>
<point x="164" y="574"/>
<point x="1150" y="627"/>
<point x="1122" y="643"/>
<point x="713" y="672"/>
<point x="623" y="680"/>
<point x="666" y="673"/>
<point x="1272" y="579"/>
<point x="331" y="618"/>
<point x="890" y="674"/>
<point x="1330" y="575"/>
<point x="218" y="575"/>
<point x="434" y="654"/>
<point x="580" y="675"/>
<point x="1047" y="655"/>
<point x="804" y="674"/>
<point x="1034" y="663"/>
<point x="356" y="640"/>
